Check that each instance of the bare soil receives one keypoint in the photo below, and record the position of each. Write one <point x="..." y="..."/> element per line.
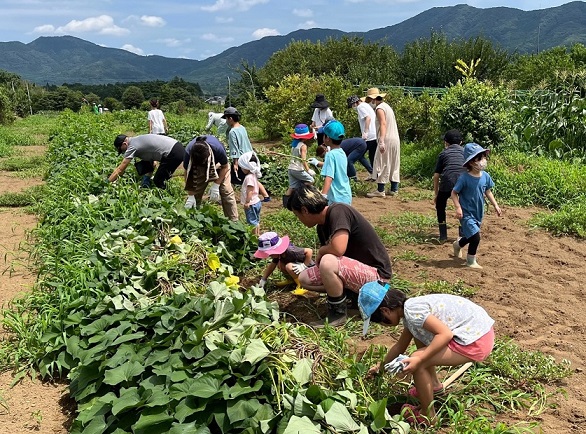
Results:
<point x="532" y="284"/>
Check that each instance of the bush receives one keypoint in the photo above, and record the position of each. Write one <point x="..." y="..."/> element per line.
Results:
<point x="481" y="111"/>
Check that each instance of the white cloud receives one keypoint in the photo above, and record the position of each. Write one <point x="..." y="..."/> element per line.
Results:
<point x="239" y="5"/>
<point x="132" y="49"/>
<point x="212" y="37"/>
<point x="261" y="33"/>
<point x="103" y="24"/>
<point x="308" y="25"/>
<point x="304" y="13"/>
<point x="151" y="21"/>
<point x="172" y="42"/>
<point x="47" y="28"/>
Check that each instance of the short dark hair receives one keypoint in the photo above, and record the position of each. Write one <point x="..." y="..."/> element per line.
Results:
<point x="321" y="151"/>
<point x="154" y="103"/>
<point x="200" y="152"/>
<point x="118" y="141"/>
<point x="393" y="299"/>
<point x="235" y="117"/>
<point x="307" y="197"/>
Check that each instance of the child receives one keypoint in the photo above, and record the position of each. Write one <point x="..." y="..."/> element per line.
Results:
<point x="291" y="260"/>
<point x="336" y="182"/>
<point x="448" y="331"/>
<point x="448" y="168"/>
<point x="156" y="118"/>
<point x="299" y="172"/>
<point x="321" y="112"/>
<point x="468" y="197"/>
<point x="250" y="165"/>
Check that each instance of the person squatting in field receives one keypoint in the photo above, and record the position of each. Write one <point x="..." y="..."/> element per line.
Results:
<point x="149" y="148"/>
<point x="206" y="162"/>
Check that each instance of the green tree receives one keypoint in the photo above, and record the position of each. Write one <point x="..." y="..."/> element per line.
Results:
<point x="6" y="108"/>
<point x="132" y="97"/>
<point x="112" y="104"/>
<point x="540" y="71"/>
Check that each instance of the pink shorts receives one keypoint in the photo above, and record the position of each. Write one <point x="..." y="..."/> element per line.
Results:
<point x="477" y="350"/>
<point x="354" y="274"/>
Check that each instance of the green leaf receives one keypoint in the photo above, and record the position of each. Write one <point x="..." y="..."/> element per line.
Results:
<point x="124" y="372"/>
<point x="255" y="351"/>
<point x="303" y="425"/>
<point x="96" y="426"/>
<point x="153" y="420"/>
<point x="205" y="386"/>
<point x="189" y="428"/>
<point x="129" y="398"/>
<point x="302" y="371"/>
<point x="187" y="407"/>
<point x="241" y="410"/>
<point x="379" y="413"/>
<point x="340" y="419"/>
<point x="242" y="388"/>
<point x="129" y="337"/>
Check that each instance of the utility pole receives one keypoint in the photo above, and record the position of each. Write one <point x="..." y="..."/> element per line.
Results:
<point x="229" y="101"/>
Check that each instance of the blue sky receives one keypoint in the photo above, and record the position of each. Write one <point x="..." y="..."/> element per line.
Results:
<point x="197" y="29"/>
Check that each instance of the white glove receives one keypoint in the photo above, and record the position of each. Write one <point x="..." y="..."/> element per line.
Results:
<point x="262" y="282"/>
<point x="298" y="267"/>
<point x="396" y="365"/>
<point x="311" y="172"/>
<point x="364" y="135"/>
<point x="313" y="161"/>
<point x="215" y="192"/>
<point x="190" y="202"/>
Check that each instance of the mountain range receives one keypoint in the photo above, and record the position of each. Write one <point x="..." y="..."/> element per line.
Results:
<point x="67" y="59"/>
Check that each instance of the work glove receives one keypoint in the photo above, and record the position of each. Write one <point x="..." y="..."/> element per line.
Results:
<point x="190" y="202"/>
<point x="262" y="282"/>
<point x="215" y="192"/>
<point x="298" y="267"/>
<point x="311" y="172"/>
<point x="313" y="161"/>
<point x="396" y="365"/>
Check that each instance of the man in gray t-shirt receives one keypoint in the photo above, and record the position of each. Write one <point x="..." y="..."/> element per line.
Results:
<point x="149" y="148"/>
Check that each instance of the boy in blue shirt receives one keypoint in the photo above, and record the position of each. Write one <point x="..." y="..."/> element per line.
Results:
<point x="336" y="182"/>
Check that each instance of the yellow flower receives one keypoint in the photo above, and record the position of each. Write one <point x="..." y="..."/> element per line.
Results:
<point x="232" y="281"/>
<point x="175" y="240"/>
<point x="213" y="262"/>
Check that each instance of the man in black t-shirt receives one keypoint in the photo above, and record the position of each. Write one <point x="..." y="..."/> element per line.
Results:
<point x="351" y="252"/>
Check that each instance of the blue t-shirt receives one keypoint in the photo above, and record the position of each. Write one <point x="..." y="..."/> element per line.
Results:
<point x="471" y="191"/>
<point x="335" y="166"/>
<point x="238" y="142"/>
<point x="217" y="149"/>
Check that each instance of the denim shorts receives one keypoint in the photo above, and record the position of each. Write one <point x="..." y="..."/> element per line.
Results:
<point x="253" y="214"/>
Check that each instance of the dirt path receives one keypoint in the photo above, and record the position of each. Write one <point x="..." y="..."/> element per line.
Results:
<point x="532" y="284"/>
<point x="31" y="405"/>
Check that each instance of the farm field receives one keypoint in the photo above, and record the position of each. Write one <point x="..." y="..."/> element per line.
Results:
<point x="531" y="284"/>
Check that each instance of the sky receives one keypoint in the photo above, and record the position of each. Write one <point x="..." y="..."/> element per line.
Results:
<point x="198" y="29"/>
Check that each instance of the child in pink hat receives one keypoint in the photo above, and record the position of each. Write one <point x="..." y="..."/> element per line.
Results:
<point x="290" y="259"/>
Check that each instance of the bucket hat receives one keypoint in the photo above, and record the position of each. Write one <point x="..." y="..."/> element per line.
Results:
<point x="302" y="132"/>
<point x="369" y="299"/>
<point x="270" y="243"/>
<point x="374" y="92"/>
<point x="351" y="100"/>
<point x="320" y="102"/>
<point x="471" y="150"/>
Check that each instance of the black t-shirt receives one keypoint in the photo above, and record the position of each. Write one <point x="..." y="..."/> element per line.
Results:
<point x="292" y="254"/>
<point x="364" y="244"/>
<point x="450" y="166"/>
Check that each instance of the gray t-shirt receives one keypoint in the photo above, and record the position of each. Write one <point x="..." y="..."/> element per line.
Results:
<point x="149" y="147"/>
<point x="467" y="321"/>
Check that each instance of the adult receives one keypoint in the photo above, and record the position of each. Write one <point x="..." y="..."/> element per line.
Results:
<point x="387" y="157"/>
<point x="238" y="142"/>
<point x="149" y="148"/>
<point x="448" y="168"/>
<point x="366" y="120"/>
<point x="206" y="161"/>
<point x="220" y="123"/>
<point x="351" y="252"/>
<point x="321" y="113"/>
<point x="156" y="118"/>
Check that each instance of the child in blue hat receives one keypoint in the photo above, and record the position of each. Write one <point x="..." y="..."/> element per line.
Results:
<point x="448" y="330"/>
<point x="468" y="197"/>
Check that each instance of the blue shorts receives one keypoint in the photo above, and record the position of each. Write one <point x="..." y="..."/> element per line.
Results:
<point x="253" y="214"/>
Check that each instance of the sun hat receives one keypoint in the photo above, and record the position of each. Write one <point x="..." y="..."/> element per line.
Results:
<point x="320" y="102"/>
<point x="369" y="299"/>
<point x="118" y="141"/>
<point x="334" y="130"/>
<point x="351" y="100"/>
<point x="302" y="132"/>
<point x="373" y="92"/>
<point x="453" y="137"/>
<point x="230" y="111"/>
<point x="471" y="150"/>
<point x="270" y="243"/>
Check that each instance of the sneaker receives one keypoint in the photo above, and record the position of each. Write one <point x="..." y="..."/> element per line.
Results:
<point x="393" y="192"/>
<point x="331" y="320"/>
<point x="376" y="194"/>
<point x="267" y="199"/>
<point x="457" y="249"/>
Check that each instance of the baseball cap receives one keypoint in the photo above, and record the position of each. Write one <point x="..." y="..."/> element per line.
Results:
<point x="334" y="130"/>
<point x="230" y="111"/>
